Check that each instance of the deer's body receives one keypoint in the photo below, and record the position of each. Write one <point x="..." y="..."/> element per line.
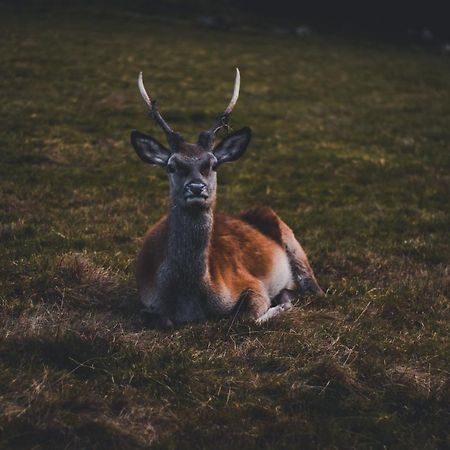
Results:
<point x="196" y="264"/>
<point x="220" y="265"/>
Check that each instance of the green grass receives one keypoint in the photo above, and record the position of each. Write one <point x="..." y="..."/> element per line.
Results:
<point x="351" y="147"/>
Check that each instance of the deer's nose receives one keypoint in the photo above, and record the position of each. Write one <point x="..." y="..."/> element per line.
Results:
<point x="196" y="189"/>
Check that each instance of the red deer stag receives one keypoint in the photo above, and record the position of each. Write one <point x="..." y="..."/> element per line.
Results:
<point x="196" y="264"/>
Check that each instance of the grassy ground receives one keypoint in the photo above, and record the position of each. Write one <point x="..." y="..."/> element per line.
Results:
<point x="350" y="147"/>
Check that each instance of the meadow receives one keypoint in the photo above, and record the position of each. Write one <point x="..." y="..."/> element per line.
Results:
<point x="350" y="146"/>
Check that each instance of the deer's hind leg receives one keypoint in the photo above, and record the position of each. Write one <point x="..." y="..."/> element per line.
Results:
<point x="256" y="305"/>
<point x="284" y="299"/>
<point x="270" y="224"/>
<point x="301" y="269"/>
<point x="282" y="303"/>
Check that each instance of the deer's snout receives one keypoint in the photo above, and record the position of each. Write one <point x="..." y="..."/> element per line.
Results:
<point x="196" y="189"/>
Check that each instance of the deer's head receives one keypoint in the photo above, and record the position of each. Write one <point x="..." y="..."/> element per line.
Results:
<point x="191" y="168"/>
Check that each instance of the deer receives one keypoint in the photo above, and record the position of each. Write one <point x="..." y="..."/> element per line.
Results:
<point x="196" y="264"/>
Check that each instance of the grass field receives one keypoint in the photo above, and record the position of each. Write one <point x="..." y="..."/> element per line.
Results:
<point x="351" y="148"/>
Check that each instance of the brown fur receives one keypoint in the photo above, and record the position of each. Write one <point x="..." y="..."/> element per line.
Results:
<point x="238" y="250"/>
<point x="152" y="253"/>
<point x="239" y="256"/>
<point x="265" y="220"/>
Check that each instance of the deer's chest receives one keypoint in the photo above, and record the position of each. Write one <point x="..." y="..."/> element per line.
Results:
<point x="184" y="298"/>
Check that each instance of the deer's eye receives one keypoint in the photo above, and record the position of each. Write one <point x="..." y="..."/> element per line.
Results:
<point x="205" y="168"/>
<point x="178" y="167"/>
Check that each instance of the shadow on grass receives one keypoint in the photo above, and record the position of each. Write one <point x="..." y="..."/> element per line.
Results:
<point x="75" y="431"/>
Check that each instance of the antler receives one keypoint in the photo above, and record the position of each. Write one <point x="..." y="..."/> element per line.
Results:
<point x="206" y="137"/>
<point x="235" y="96"/>
<point x="171" y="135"/>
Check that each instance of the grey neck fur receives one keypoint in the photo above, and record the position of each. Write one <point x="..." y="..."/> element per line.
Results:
<point x="188" y="244"/>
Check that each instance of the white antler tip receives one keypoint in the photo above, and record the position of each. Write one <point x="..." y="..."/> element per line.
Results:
<point x="234" y="98"/>
<point x="143" y="91"/>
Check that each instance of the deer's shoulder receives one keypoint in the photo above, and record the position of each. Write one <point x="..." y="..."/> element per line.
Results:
<point x="157" y="232"/>
<point x="154" y="247"/>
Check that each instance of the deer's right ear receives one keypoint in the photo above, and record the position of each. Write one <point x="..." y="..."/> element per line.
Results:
<point x="233" y="146"/>
<point x="149" y="149"/>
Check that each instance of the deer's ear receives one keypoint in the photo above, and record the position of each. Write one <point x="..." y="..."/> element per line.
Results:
<point x="233" y="146"/>
<point x="149" y="149"/>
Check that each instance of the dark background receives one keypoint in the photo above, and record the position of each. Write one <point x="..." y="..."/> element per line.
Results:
<point x="425" y="21"/>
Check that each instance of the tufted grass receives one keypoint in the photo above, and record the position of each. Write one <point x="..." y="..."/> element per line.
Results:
<point x="351" y="147"/>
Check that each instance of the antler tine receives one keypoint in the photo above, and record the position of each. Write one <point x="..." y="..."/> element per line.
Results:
<point x="154" y="109"/>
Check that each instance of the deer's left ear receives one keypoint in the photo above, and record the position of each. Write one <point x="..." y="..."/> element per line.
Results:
<point x="233" y="146"/>
<point x="149" y="149"/>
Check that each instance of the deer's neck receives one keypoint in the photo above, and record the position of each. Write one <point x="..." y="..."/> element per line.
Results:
<point x="188" y="244"/>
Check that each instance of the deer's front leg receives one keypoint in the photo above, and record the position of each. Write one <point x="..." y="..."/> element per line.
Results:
<point x="156" y="320"/>
<point x="154" y="313"/>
